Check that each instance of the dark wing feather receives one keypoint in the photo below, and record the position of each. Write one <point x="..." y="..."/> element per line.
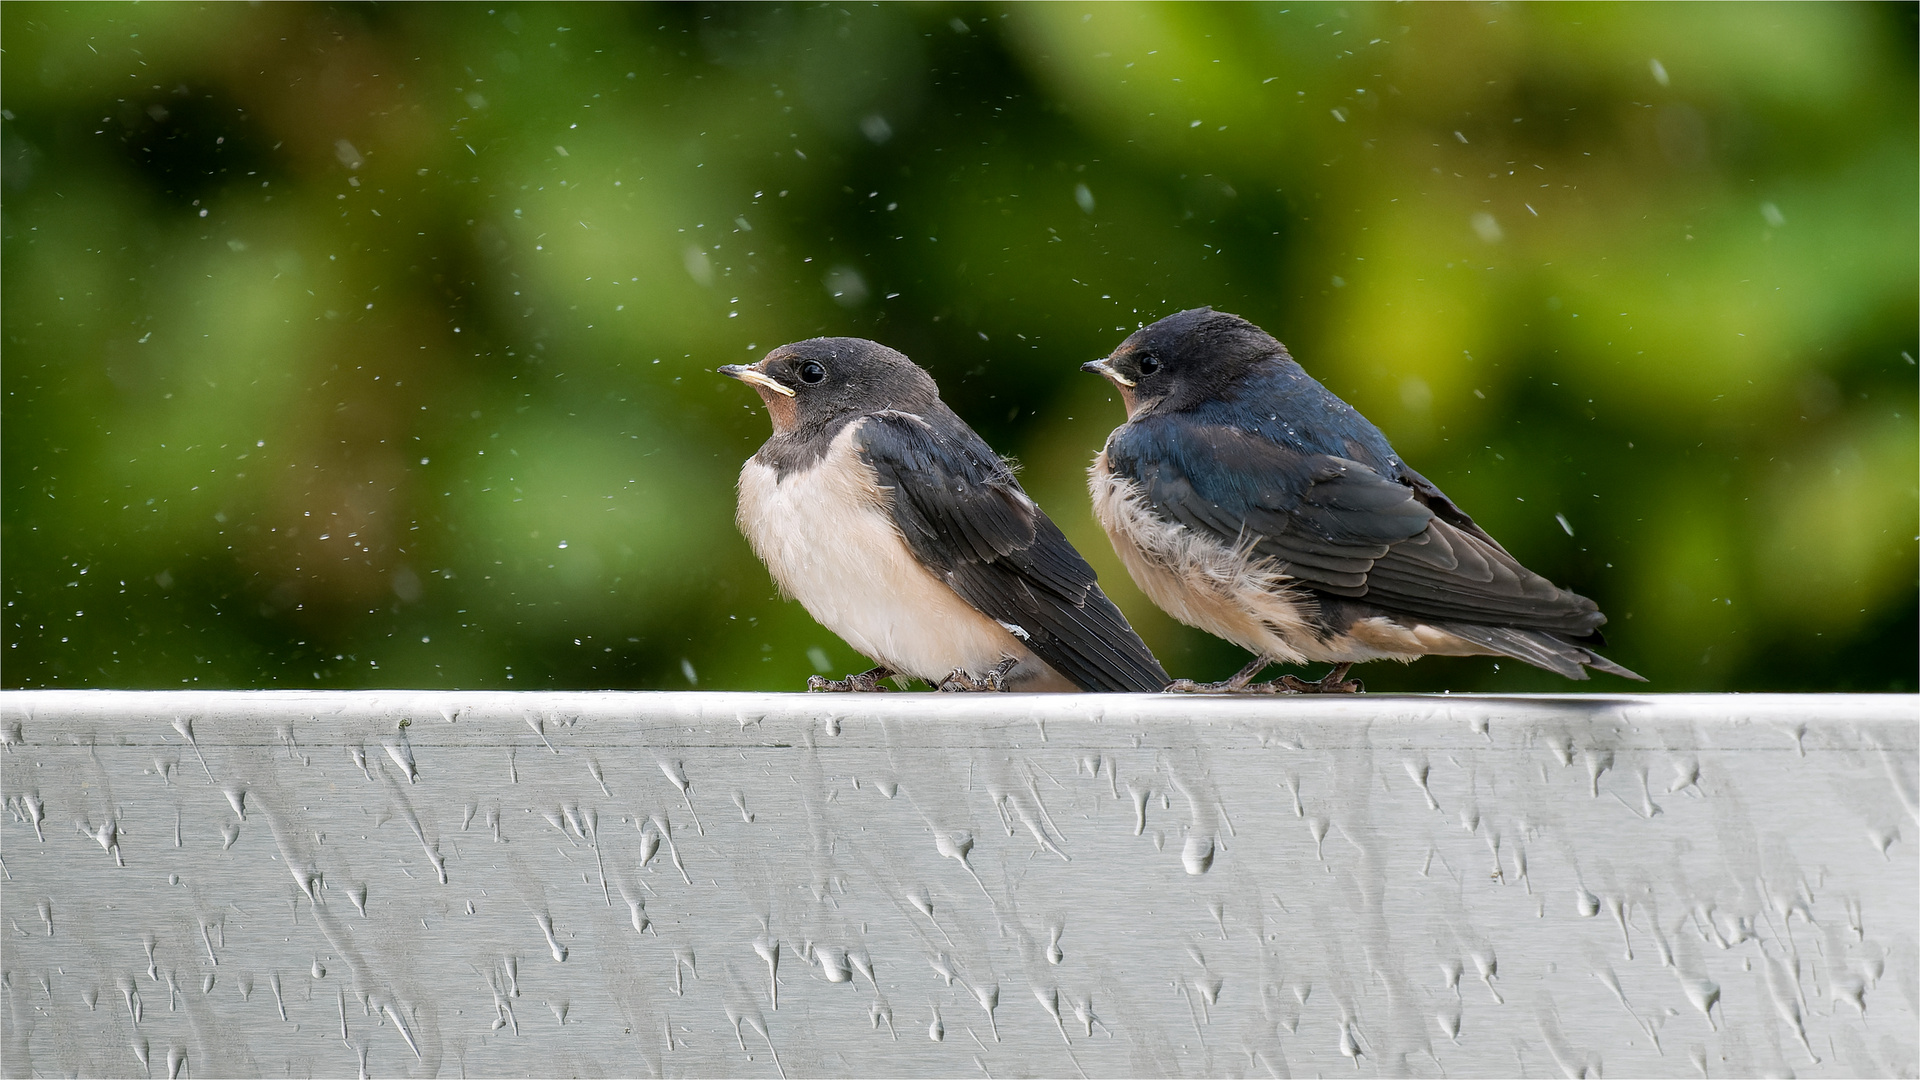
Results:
<point x="1341" y="527"/>
<point x="966" y="518"/>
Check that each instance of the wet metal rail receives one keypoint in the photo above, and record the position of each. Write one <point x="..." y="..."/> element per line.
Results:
<point x="496" y="884"/>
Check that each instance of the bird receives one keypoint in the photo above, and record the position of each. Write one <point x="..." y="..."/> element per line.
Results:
<point x="1247" y="500"/>
<point x="898" y="528"/>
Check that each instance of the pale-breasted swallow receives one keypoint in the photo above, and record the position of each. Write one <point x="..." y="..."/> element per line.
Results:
<point x="900" y="530"/>
<point x="1247" y="500"/>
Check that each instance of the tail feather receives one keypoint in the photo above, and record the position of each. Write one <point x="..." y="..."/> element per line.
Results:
<point x="1539" y="648"/>
<point x="1601" y="663"/>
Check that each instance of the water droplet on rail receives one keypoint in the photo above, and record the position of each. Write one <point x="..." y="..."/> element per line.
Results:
<point x="184" y="725"/>
<point x="1598" y="761"/>
<point x="1617" y="907"/>
<point x="558" y="950"/>
<point x="1318" y="827"/>
<point x="1209" y="987"/>
<point x="1704" y="994"/>
<point x="35" y="812"/>
<point x="942" y="967"/>
<point x="1686" y="774"/>
<point x="769" y="950"/>
<point x="676" y="775"/>
<point x="833" y="964"/>
<point x="988" y="995"/>
<point x="683" y="958"/>
<point x="402" y="754"/>
<point x="1349" y="1044"/>
<point x="1049" y="999"/>
<point x="1196" y="855"/>
<point x="1489" y="967"/>
<point x="1562" y="747"/>
<point x="1883" y="838"/>
<point x="1851" y="990"/>
<point x="1418" y="770"/>
<point x="864" y="965"/>
<point x="539" y="727"/>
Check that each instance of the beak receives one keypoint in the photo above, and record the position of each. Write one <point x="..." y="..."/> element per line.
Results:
<point x="1105" y="368"/>
<point x="754" y="377"/>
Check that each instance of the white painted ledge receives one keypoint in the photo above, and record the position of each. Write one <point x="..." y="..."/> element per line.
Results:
<point x="494" y="884"/>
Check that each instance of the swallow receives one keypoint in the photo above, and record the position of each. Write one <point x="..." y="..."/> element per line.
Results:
<point x="1247" y="500"/>
<point x="899" y="529"/>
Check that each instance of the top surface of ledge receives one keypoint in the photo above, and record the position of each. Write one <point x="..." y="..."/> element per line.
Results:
<point x="694" y="706"/>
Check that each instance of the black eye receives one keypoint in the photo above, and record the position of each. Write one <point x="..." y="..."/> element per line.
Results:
<point x="1148" y="365"/>
<point x="812" y="372"/>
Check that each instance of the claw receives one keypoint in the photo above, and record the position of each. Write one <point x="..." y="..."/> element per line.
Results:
<point x="867" y="682"/>
<point x="1235" y="685"/>
<point x="958" y="681"/>
<point x="1333" y="682"/>
<point x="1188" y="686"/>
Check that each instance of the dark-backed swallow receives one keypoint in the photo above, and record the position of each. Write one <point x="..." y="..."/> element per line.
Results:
<point x="900" y="530"/>
<point x="1249" y="501"/>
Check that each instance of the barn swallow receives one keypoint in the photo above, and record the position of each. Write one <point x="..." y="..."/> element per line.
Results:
<point x="1247" y="500"/>
<point x="900" y="530"/>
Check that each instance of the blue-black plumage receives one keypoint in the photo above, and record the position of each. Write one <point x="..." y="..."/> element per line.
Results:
<point x="900" y="530"/>
<point x="1249" y="501"/>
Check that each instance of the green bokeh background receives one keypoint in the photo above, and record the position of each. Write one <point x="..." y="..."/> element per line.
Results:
<point x="372" y="346"/>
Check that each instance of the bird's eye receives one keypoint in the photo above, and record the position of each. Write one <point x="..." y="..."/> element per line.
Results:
<point x="812" y="372"/>
<point x="1148" y="365"/>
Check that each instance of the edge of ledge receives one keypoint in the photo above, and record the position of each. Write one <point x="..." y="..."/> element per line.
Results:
<point x="707" y="706"/>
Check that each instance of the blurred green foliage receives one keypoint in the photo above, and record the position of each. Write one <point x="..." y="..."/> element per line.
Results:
<point x="372" y="346"/>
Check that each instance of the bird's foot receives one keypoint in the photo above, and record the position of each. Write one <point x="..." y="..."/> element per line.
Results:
<point x="1333" y="682"/>
<point x="993" y="682"/>
<point x="1225" y="686"/>
<point x="1236" y="685"/>
<point x="867" y="682"/>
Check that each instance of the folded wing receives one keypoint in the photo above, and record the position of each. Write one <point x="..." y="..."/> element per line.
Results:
<point x="1341" y="527"/>
<point x="965" y="517"/>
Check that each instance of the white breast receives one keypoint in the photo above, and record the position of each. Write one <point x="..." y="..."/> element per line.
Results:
<point x="1199" y="580"/>
<point x="1231" y="593"/>
<point x="828" y="537"/>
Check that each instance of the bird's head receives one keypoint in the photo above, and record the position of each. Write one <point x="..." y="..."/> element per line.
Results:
<point x="810" y="384"/>
<point x="1186" y="359"/>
